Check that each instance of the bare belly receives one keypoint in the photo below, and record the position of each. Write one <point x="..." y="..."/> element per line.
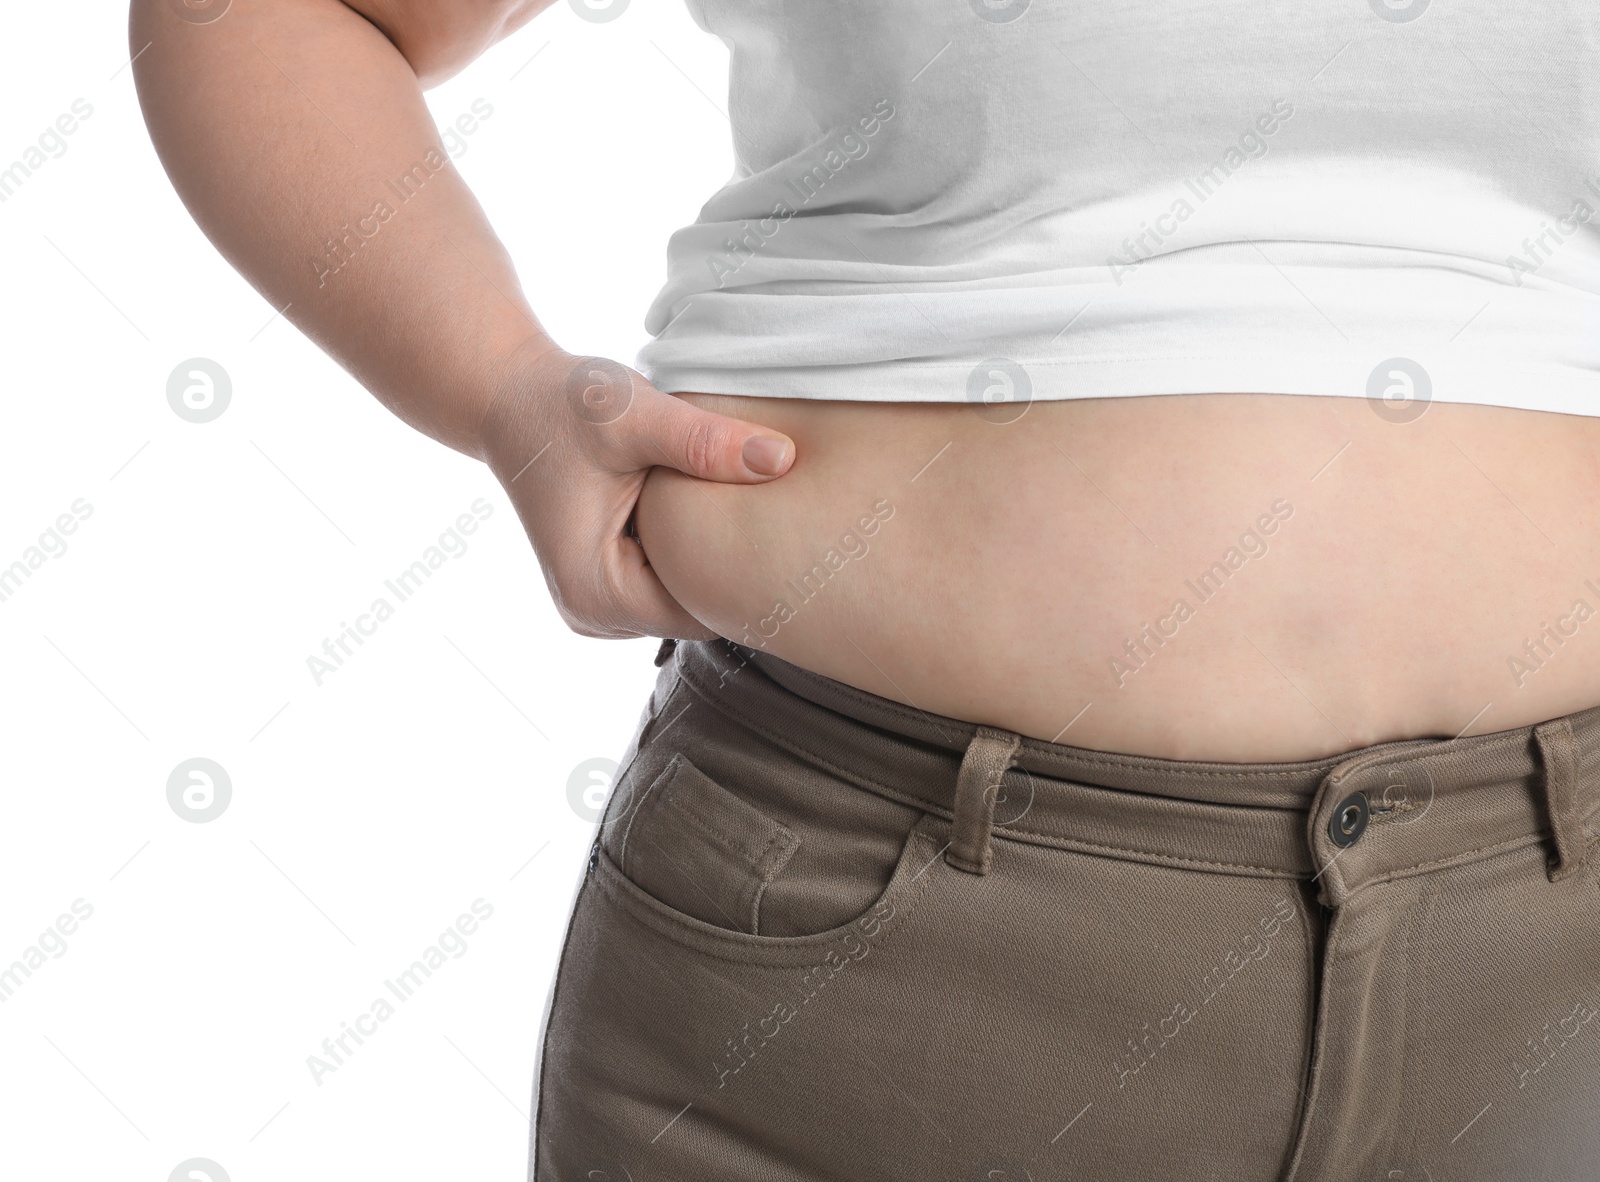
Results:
<point x="1218" y="576"/>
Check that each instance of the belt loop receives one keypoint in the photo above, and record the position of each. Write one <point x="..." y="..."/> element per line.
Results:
<point x="1558" y="752"/>
<point x="988" y="756"/>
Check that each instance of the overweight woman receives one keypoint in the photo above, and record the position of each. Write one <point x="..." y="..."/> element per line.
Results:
<point x="1123" y="482"/>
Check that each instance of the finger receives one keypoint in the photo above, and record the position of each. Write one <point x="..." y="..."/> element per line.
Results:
<point x="661" y="429"/>
<point x="644" y="602"/>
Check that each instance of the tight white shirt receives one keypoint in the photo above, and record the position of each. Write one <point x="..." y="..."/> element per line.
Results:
<point x="942" y="200"/>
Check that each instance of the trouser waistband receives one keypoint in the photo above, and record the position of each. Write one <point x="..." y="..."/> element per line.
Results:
<point x="1349" y="820"/>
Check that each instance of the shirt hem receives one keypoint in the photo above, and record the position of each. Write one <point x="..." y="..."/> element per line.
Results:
<point x="1446" y="378"/>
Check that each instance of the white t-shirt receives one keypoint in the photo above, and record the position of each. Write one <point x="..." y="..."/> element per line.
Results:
<point x="942" y="200"/>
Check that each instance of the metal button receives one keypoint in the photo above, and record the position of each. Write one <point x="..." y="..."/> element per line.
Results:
<point x="1349" y="819"/>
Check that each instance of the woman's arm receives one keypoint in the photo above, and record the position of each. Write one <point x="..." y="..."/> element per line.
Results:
<point x="284" y="124"/>
<point x="280" y="124"/>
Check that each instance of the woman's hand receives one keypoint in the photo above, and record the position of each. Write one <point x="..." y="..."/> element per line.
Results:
<point x="572" y="439"/>
<point x="277" y="126"/>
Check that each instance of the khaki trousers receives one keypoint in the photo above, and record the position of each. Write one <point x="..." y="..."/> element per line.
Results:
<point x="826" y="936"/>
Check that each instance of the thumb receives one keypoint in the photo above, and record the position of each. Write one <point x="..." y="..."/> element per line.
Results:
<point x="677" y="434"/>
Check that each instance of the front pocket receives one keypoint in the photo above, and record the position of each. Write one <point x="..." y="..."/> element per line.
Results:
<point x="889" y="908"/>
<point x="726" y="827"/>
<point x="697" y="846"/>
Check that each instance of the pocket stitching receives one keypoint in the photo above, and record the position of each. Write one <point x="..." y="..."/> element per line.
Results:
<point x="906" y="887"/>
<point x="750" y="901"/>
<point x="762" y="863"/>
<point x="638" y="744"/>
<point x="692" y="813"/>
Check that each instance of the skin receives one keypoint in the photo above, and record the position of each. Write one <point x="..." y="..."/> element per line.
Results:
<point x="279" y="123"/>
<point x="1406" y="593"/>
<point x="1414" y="560"/>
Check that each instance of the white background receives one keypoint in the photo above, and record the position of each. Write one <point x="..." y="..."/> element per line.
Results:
<point x="366" y="814"/>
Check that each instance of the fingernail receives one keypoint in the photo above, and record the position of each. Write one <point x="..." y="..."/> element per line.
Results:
<point x="764" y="454"/>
